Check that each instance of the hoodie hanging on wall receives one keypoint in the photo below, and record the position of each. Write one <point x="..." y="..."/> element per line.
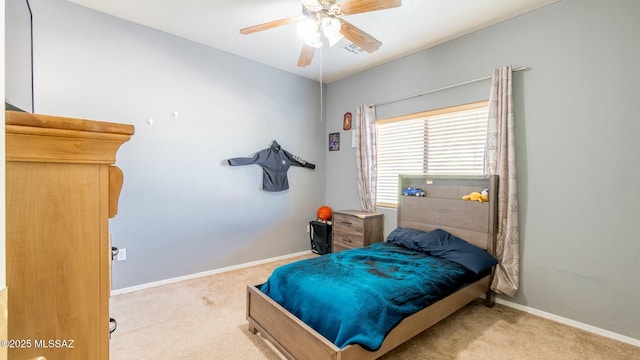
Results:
<point x="275" y="163"/>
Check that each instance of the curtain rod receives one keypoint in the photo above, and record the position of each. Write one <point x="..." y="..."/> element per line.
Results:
<point x="444" y="88"/>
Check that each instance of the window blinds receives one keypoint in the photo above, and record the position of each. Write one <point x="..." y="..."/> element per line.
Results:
<point x="448" y="141"/>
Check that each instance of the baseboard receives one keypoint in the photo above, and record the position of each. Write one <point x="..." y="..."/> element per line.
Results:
<point x="205" y="273"/>
<point x="569" y="322"/>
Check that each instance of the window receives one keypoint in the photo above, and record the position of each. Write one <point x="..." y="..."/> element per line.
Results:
<point x="447" y="141"/>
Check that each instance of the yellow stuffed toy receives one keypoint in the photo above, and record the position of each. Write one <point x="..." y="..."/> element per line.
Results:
<point x="482" y="196"/>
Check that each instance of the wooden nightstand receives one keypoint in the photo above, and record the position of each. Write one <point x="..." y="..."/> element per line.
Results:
<point x="353" y="228"/>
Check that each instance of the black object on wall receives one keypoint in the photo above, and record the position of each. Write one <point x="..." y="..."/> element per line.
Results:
<point x="320" y="236"/>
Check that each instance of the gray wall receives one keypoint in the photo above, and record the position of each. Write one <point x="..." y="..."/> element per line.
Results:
<point x="577" y="128"/>
<point x="18" y="55"/>
<point x="182" y="209"/>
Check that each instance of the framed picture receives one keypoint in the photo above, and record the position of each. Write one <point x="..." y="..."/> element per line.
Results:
<point x="346" y="121"/>
<point x="334" y="141"/>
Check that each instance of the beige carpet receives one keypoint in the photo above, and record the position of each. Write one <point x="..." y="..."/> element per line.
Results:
<point x="205" y="319"/>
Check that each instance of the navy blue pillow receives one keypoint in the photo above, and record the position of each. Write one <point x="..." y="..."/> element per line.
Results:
<point x="405" y="237"/>
<point x="442" y="244"/>
<point x="445" y="245"/>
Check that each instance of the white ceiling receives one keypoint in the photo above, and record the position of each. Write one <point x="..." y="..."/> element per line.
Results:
<point x="416" y="25"/>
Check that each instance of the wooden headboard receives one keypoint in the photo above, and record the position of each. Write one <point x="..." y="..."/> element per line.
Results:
<point x="443" y="207"/>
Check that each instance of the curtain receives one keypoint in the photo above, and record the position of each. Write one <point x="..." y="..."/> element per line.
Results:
<point x="366" y="155"/>
<point x="501" y="161"/>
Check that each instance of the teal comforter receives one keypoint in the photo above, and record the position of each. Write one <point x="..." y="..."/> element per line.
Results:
<point x="357" y="296"/>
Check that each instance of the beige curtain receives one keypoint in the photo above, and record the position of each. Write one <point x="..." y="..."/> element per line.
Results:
<point x="501" y="161"/>
<point x="366" y="155"/>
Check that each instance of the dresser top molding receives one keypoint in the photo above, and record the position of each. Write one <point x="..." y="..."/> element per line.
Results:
<point x="46" y="138"/>
<point x="18" y="118"/>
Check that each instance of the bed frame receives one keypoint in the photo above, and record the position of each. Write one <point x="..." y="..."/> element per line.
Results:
<point x="442" y="207"/>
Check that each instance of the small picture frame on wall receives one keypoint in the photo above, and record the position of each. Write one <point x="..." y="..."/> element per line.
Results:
<point x="346" y="121"/>
<point x="334" y="141"/>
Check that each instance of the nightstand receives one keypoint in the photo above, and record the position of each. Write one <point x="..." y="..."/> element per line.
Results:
<point x="353" y="228"/>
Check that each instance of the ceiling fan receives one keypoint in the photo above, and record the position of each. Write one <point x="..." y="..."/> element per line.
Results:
<point x="324" y="17"/>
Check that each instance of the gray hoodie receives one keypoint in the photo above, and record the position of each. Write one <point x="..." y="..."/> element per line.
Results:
<point x="275" y="163"/>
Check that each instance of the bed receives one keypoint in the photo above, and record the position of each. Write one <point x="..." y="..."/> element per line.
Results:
<point x="442" y="209"/>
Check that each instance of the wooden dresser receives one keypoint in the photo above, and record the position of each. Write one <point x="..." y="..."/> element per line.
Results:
<point x="353" y="228"/>
<point x="61" y="190"/>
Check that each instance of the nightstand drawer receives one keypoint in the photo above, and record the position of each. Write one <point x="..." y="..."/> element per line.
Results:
<point x="347" y="240"/>
<point x="348" y="223"/>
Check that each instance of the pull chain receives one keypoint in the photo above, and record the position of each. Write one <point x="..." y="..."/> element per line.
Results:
<point x="321" y="90"/>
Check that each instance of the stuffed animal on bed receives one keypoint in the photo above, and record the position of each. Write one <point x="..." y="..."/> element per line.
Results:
<point x="482" y="196"/>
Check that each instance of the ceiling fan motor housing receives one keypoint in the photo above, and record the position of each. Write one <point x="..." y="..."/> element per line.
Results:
<point x="327" y="7"/>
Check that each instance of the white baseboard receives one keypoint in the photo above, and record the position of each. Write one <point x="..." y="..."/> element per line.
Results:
<point x="569" y="322"/>
<point x="205" y="273"/>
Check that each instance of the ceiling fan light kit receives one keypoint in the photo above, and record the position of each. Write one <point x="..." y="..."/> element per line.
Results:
<point x="309" y="31"/>
<point x="324" y="18"/>
<point x="331" y="30"/>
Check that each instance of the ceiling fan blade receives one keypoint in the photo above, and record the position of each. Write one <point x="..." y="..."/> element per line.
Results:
<point x="268" y="25"/>
<point x="360" y="6"/>
<point x="365" y="41"/>
<point x="306" y="55"/>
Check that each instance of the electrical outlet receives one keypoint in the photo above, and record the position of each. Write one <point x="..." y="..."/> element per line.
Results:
<point x="308" y="227"/>
<point x="122" y="255"/>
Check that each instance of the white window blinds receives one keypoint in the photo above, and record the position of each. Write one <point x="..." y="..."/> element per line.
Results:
<point x="447" y="141"/>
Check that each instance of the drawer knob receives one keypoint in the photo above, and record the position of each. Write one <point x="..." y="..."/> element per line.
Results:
<point x="113" y="325"/>
<point x="114" y="252"/>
